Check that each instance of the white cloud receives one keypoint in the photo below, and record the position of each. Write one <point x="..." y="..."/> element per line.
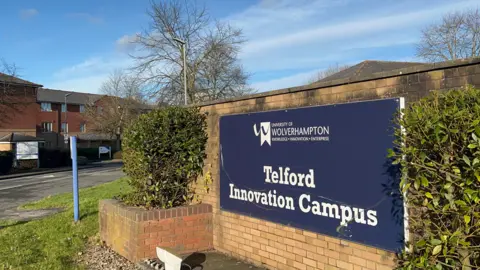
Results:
<point x="88" y="84"/>
<point x="126" y="43"/>
<point x="28" y="13"/>
<point x="88" y="76"/>
<point x="287" y="36"/>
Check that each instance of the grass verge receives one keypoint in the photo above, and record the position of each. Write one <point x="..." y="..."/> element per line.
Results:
<point x="53" y="242"/>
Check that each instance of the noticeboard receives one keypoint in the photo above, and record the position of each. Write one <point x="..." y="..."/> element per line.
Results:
<point x="322" y="168"/>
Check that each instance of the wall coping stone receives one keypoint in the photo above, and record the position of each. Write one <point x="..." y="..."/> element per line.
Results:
<point x="374" y="76"/>
<point x="141" y="214"/>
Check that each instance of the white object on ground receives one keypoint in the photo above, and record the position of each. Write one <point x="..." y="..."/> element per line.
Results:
<point x="169" y="258"/>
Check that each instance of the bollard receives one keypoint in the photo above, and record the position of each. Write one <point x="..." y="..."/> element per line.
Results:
<point x="73" y="153"/>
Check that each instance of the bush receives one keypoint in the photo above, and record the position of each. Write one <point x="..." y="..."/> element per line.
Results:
<point x="117" y="155"/>
<point x="53" y="158"/>
<point x="440" y="157"/>
<point x="163" y="153"/>
<point x="6" y="161"/>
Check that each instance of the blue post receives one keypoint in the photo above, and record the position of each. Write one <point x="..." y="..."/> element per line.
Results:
<point x="73" y="152"/>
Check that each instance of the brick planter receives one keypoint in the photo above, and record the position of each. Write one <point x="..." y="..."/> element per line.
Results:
<point x="135" y="233"/>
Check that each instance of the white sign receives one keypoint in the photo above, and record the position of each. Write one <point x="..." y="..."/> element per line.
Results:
<point x="27" y="150"/>
<point x="103" y="150"/>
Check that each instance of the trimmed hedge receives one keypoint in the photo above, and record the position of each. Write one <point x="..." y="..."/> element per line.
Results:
<point x="6" y="161"/>
<point x="163" y="153"/>
<point x="439" y="152"/>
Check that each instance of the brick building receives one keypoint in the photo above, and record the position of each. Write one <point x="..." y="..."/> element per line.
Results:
<point x="27" y="108"/>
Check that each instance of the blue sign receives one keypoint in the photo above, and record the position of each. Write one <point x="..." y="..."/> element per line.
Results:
<point x="322" y="169"/>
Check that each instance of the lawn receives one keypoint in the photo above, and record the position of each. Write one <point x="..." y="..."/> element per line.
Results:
<point x="53" y="242"/>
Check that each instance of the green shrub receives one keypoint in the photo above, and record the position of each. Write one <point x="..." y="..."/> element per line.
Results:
<point x="163" y="153"/>
<point x="439" y="153"/>
<point x="117" y="155"/>
<point x="6" y="161"/>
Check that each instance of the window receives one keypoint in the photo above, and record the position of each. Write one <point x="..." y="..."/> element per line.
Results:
<point x="82" y="108"/>
<point x="64" y="107"/>
<point x="83" y="127"/>
<point x="46" y="107"/>
<point x="47" y="127"/>
<point x="65" y="127"/>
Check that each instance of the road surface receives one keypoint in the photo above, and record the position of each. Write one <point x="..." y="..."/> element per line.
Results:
<point x="17" y="191"/>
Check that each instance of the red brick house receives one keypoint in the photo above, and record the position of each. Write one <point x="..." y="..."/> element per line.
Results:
<point x="27" y="108"/>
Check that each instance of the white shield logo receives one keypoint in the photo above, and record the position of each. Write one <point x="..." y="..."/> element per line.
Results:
<point x="265" y="134"/>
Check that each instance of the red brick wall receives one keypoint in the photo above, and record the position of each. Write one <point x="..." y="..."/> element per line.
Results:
<point x="57" y="117"/>
<point x="19" y="108"/>
<point x="276" y="246"/>
<point x="135" y="233"/>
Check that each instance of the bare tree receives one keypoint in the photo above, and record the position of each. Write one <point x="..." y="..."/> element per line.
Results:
<point x="213" y="70"/>
<point x="8" y="72"/>
<point x="457" y="36"/>
<point x="121" y="103"/>
<point x="332" y="69"/>
<point x="10" y="104"/>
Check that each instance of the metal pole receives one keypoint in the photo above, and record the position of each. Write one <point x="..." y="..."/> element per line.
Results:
<point x="185" y="71"/>
<point x="73" y="151"/>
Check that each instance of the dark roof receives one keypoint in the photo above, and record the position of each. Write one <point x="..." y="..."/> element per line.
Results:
<point x="95" y="137"/>
<point x="58" y="96"/>
<point x="15" y="80"/>
<point x="17" y="137"/>
<point x="367" y="68"/>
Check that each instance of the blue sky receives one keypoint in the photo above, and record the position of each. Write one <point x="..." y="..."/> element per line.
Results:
<point x="74" y="45"/>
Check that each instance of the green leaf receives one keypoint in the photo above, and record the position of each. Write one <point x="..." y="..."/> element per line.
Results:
<point x="437" y="249"/>
<point x="477" y="175"/>
<point x="471" y="146"/>
<point x="428" y="195"/>
<point x="416" y="184"/>
<point x="435" y="242"/>
<point x="447" y="185"/>
<point x="467" y="160"/>
<point x="424" y="181"/>
<point x="460" y="202"/>
<point x="438" y="266"/>
<point x="467" y="219"/>
<point x="475" y="161"/>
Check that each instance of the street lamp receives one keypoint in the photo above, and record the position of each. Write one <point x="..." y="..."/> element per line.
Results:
<point x="65" y="133"/>
<point x="184" y="44"/>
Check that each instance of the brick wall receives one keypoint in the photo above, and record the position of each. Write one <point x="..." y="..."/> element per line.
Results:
<point x="135" y="233"/>
<point x="281" y="247"/>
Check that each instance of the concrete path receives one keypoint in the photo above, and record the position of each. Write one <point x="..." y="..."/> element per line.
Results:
<point x="17" y="191"/>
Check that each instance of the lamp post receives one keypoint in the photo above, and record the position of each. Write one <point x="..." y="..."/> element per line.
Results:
<point x="184" y="44"/>
<point x="65" y="133"/>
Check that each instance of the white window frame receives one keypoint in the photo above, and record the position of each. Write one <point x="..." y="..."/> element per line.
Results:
<point x="62" y="128"/>
<point x="47" y="124"/>
<point x="46" y="107"/>
<point x="64" y="107"/>
<point x="82" y="108"/>
<point x="84" y="125"/>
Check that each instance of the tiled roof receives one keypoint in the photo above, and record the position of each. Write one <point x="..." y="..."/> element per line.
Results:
<point x="16" y="137"/>
<point x="58" y="96"/>
<point x="15" y="80"/>
<point x="366" y="68"/>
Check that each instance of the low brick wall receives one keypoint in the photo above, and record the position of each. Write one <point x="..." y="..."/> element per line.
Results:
<point x="135" y="233"/>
